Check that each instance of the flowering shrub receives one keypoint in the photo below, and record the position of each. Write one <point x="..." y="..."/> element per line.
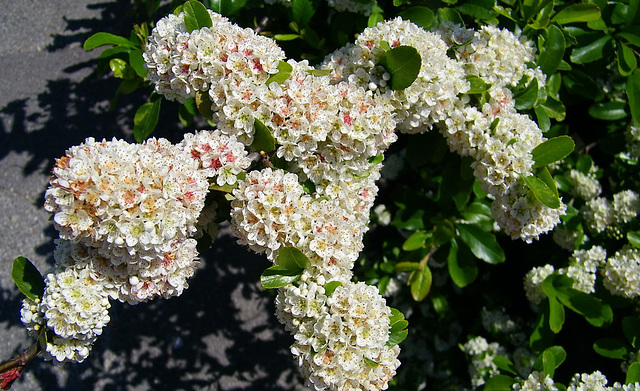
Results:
<point x="418" y="147"/>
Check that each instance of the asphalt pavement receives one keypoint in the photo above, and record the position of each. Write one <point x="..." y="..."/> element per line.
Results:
<point x="221" y="334"/>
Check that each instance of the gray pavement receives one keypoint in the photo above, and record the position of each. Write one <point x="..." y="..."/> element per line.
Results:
<point x="221" y="334"/>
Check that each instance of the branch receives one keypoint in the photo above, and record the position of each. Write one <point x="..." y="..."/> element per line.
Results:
<point x="11" y="369"/>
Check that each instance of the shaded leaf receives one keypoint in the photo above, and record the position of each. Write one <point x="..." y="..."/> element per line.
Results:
<point x="292" y="258"/>
<point x="631" y="330"/>
<point x="499" y="383"/>
<point x="462" y="266"/>
<point x="403" y="63"/>
<point x="204" y="104"/>
<point x="420" y="283"/>
<point x="278" y="276"/>
<point x="416" y="240"/>
<point x="505" y="365"/>
<point x="608" y="111"/>
<point x="422" y="16"/>
<point x="145" y="119"/>
<point x="226" y="7"/>
<point x="528" y="97"/>
<point x="302" y="11"/>
<point x="27" y="278"/>
<point x="556" y="315"/>
<point x="590" y="52"/>
<point x="611" y="348"/>
<point x="584" y="12"/>
<point x="263" y="139"/>
<point x="633" y="373"/>
<point x="634" y="238"/>
<point x="553" y="50"/>
<point x="482" y="244"/>
<point x="633" y="94"/>
<point x="406" y="266"/>
<point x="627" y="61"/>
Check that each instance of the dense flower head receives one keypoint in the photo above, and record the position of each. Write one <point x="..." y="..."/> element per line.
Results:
<point x="598" y="214"/>
<point x="429" y="98"/>
<point x="496" y="55"/>
<point x="585" y="186"/>
<point x="220" y="156"/>
<point x="621" y="273"/>
<point x="133" y="200"/>
<point x="211" y="58"/>
<point x="588" y="382"/>
<point x="75" y="307"/>
<point x="533" y="282"/>
<point x="536" y="381"/>
<point x="602" y="215"/>
<point x="339" y="337"/>
<point x="271" y="210"/>
<point x="632" y="135"/>
<point x="480" y="354"/>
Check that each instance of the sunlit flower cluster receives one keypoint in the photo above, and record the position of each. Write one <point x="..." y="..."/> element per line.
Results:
<point x="585" y="186"/>
<point x="602" y="215"/>
<point x="536" y="381"/>
<point x="429" y="99"/>
<point x="181" y="63"/>
<point x="621" y="273"/>
<point x="341" y="337"/>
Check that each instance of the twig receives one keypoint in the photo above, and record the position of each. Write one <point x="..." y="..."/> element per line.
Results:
<point x="12" y="369"/>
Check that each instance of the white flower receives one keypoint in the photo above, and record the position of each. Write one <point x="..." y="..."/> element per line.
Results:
<point x="533" y="283"/>
<point x="621" y="273"/>
<point x="536" y="381"/>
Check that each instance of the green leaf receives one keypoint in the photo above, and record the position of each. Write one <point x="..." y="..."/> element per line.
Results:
<point x="102" y="39"/>
<point x="146" y="119"/>
<point x="374" y="19"/>
<point x="608" y="111"/>
<point x="403" y="64"/>
<point x="611" y="348"/>
<point x="416" y="240"/>
<point x="446" y="14"/>
<point x="548" y="363"/>
<point x="196" y="15"/>
<point x="631" y="330"/>
<point x="278" y="276"/>
<point x="482" y="244"/>
<point x="27" y="278"/>
<point x="542" y="192"/>
<point x="633" y="94"/>
<point x="422" y="16"/>
<point x="284" y="71"/>
<point x="528" y="97"/>
<point x="556" y="315"/>
<point x="633" y="373"/>
<point x="477" y="85"/>
<point x="120" y="68"/>
<point x="553" y="50"/>
<point x="330" y="287"/>
<point x="548" y="180"/>
<point x="499" y="383"/>
<point x="397" y="333"/>
<point x="584" y="12"/>
<point x="541" y="337"/>
<point x="462" y="266"/>
<point x="552" y="150"/>
<point x="319" y="72"/>
<point x="555" y="353"/>
<point x="292" y="258"/>
<point x="633" y="39"/>
<point x="226" y="7"/>
<point x="370" y="362"/>
<point x="505" y="365"/>
<point x="627" y="61"/>
<point x="285" y="37"/>
<point x="596" y="312"/>
<point x="302" y="11"/>
<point x="634" y="238"/>
<point x="590" y="52"/>
<point x="204" y="104"/>
<point x="420" y="283"/>
<point x="263" y="139"/>
<point x="406" y="266"/>
<point x="137" y="62"/>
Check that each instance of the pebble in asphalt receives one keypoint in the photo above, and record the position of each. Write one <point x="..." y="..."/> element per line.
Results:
<point x="221" y="334"/>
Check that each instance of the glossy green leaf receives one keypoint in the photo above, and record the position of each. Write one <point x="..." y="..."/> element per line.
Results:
<point x="196" y="15"/>
<point x="633" y="373"/>
<point x="403" y="63"/>
<point x="548" y="363"/>
<point x="285" y="37"/>
<point x="278" y="276"/>
<point x="477" y="85"/>
<point x="420" y="283"/>
<point x="633" y="94"/>
<point x="631" y="330"/>
<point x="137" y="62"/>
<point x="557" y="354"/>
<point x="482" y="244"/>
<point x="102" y="39"/>
<point x="627" y="61"/>
<point x="633" y="39"/>
<point x="120" y="68"/>
<point x="330" y="287"/>
<point x="590" y="52"/>
<point x="553" y="50"/>
<point x="528" y="97"/>
<point x="145" y="119"/>
<point x="542" y="192"/>
<point x="397" y="333"/>
<point x="596" y="312"/>
<point x="422" y="16"/>
<point x="461" y="264"/>
<point x="27" y="278"/>
<point x="292" y="258"/>
<point x="284" y="71"/>
<point x="226" y="7"/>
<point x="552" y="150"/>
<point x="500" y="383"/>
<point x="542" y="336"/>
<point x="446" y="14"/>
<point x="443" y="232"/>
<point x="556" y="315"/>
<point x="477" y="11"/>
<point x="374" y="19"/>
<point x="302" y="11"/>
<point x="608" y="111"/>
<point x="584" y="12"/>
<point x="263" y="139"/>
<point x="634" y="238"/>
<point x="505" y="365"/>
<point x="548" y="180"/>
<point x="406" y="266"/>
<point x="319" y="72"/>
<point x="584" y="164"/>
<point x="416" y="240"/>
<point x="611" y="348"/>
<point x="370" y="362"/>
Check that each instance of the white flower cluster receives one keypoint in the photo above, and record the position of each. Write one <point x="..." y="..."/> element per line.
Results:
<point x="480" y="355"/>
<point x="429" y="99"/>
<point x="621" y="273"/>
<point x="602" y="215"/>
<point x="632" y="135"/>
<point x="585" y="186"/>
<point x="126" y="215"/>
<point x="536" y="381"/>
<point x="208" y="59"/>
<point x="340" y="339"/>
<point x="533" y="282"/>
<point x="75" y="307"/>
<point x="585" y="381"/>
